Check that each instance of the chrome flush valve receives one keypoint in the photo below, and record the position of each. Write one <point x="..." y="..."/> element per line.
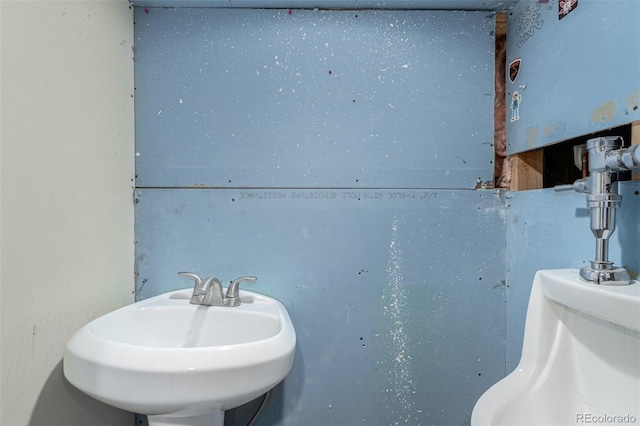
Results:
<point x="606" y="159"/>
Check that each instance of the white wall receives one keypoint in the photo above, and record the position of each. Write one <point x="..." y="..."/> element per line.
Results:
<point x="66" y="191"/>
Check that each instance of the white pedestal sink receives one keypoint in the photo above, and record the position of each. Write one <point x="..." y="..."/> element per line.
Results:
<point x="182" y="364"/>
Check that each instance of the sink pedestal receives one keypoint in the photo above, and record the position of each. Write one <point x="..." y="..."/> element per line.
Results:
<point x="211" y="419"/>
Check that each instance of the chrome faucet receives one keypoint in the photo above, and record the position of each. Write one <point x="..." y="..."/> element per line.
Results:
<point x="209" y="291"/>
<point x="606" y="159"/>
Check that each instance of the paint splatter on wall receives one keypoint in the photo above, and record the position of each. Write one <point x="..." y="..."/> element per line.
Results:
<point x="401" y="387"/>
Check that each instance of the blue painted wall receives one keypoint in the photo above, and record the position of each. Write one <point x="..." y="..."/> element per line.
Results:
<point x="579" y="70"/>
<point x="264" y="98"/>
<point x="349" y="193"/>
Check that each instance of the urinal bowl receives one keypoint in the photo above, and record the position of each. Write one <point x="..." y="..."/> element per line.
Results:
<point x="580" y="360"/>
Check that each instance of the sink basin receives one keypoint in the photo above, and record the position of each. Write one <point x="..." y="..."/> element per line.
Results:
<point x="182" y="364"/>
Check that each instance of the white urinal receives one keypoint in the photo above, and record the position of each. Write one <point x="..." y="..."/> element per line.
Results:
<point x="580" y="359"/>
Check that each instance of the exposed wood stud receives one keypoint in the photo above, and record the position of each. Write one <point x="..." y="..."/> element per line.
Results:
<point x="526" y="170"/>
<point x="501" y="24"/>
<point x="635" y="133"/>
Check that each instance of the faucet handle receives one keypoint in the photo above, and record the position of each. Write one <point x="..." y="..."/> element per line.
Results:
<point x="232" y="298"/>
<point x="196" y="277"/>
<point x="196" y="298"/>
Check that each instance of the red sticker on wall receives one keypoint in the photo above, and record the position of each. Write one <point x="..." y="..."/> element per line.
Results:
<point x="514" y="69"/>
<point x="565" y="7"/>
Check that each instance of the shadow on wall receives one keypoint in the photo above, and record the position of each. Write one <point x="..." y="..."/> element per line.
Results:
<point x="272" y="413"/>
<point x="61" y="404"/>
<point x="628" y="227"/>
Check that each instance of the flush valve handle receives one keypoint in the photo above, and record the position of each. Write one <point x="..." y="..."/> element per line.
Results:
<point x="579" y="186"/>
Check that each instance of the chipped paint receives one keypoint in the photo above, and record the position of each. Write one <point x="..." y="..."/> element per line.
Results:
<point x="532" y="137"/>
<point x="603" y="114"/>
<point x="555" y="131"/>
